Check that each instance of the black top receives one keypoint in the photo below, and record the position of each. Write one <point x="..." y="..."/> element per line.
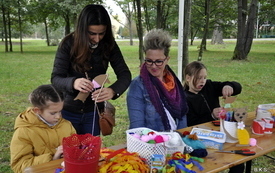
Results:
<point x="202" y="104"/>
<point x="63" y="75"/>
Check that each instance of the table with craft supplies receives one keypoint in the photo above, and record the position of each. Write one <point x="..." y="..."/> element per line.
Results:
<point x="213" y="162"/>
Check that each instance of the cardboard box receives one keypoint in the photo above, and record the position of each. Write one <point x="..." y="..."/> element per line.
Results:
<point x="210" y="138"/>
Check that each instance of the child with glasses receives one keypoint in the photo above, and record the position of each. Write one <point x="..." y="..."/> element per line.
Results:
<point x="39" y="130"/>
<point x="156" y="98"/>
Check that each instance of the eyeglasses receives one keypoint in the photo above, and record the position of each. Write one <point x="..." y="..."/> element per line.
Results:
<point x="157" y="62"/>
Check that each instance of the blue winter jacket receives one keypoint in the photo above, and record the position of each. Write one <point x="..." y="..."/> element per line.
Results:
<point x="142" y="112"/>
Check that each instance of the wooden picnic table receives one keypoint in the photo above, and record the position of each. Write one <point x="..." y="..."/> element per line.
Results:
<point x="213" y="162"/>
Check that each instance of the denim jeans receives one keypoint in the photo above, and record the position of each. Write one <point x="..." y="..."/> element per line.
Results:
<point x="83" y="123"/>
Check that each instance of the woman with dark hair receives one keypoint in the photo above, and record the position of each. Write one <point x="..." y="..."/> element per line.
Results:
<point x="83" y="55"/>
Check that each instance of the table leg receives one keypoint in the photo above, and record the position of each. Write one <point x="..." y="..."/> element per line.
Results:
<point x="269" y="157"/>
<point x="248" y="165"/>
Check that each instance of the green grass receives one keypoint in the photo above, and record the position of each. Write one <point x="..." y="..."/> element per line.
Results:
<point x="21" y="73"/>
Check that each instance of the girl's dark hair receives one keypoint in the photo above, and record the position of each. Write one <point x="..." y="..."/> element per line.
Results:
<point x="193" y="69"/>
<point x="44" y="93"/>
<point x="91" y="15"/>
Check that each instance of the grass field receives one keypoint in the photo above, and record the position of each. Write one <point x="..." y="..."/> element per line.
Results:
<point x="21" y="73"/>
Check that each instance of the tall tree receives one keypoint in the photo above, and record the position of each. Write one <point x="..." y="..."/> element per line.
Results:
<point x="160" y="14"/>
<point x="9" y="27"/>
<point x="246" y="22"/>
<point x="4" y="13"/>
<point x="222" y="19"/>
<point x="205" y="29"/>
<point x="186" y="31"/>
<point x="266" y="17"/>
<point x="127" y="8"/>
<point x="20" y="26"/>
<point x="39" y="11"/>
<point x="137" y="7"/>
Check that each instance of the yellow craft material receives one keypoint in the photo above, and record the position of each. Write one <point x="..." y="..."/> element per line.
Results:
<point x="188" y="166"/>
<point x="169" y="169"/>
<point x="243" y="135"/>
<point x="122" y="161"/>
<point x="272" y="111"/>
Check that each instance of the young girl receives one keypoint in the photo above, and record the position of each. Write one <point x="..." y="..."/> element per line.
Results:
<point x="203" y="94"/>
<point x="39" y="130"/>
<point x="203" y="97"/>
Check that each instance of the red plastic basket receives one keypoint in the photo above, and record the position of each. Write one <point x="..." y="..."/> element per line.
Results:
<point x="81" y="153"/>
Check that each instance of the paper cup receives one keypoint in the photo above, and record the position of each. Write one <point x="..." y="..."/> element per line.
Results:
<point x="230" y="129"/>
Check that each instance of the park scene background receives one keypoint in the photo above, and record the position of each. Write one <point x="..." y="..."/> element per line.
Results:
<point x="21" y="73"/>
<point x="27" y="54"/>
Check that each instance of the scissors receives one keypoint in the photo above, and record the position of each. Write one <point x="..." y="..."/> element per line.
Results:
<point x="245" y="152"/>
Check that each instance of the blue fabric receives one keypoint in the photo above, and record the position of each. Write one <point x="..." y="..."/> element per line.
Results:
<point x="142" y="112"/>
<point x="83" y="123"/>
<point x="195" y="144"/>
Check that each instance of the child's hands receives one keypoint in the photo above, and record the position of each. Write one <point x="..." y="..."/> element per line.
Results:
<point x="59" y="153"/>
<point x="227" y="91"/>
<point x="216" y="112"/>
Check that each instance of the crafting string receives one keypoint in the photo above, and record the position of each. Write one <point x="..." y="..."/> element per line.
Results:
<point x="95" y="105"/>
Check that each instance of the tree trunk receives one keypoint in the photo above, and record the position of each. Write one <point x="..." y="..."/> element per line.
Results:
<point x="245" y="29"/>
<point x="158" y="19"/>
<point x="206" y="28"/>
<point x="67" y="24"/>
<point x="130" y="18"/>
<point x="131" y="32"/>
<point x="193" y="34"/>
<point x="47" y="32"/>
<point x="20" y="26"/>
<point x="217" y="37"/>
<point x="252" y="17"/>
<point x="146" y="18"/>
<point x="9" y="28"/>
<point x="187" y="18"/>
<point x="5" y="27"/>
<point x="139" y="30"/>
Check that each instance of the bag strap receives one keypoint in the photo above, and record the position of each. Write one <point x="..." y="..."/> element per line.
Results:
<point x="95" y="105"/>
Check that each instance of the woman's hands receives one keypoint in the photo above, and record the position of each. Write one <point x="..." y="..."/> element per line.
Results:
<point x="83" y="85"/>
<point x="59" y="153"/>
<point x="103" y="94"/>
<point x="100" y="95"/>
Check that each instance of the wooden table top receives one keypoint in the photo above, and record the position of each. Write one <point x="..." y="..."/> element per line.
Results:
<point x="213" y="162"/>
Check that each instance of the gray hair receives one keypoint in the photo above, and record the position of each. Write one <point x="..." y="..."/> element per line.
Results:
<point x="157" y="39"/>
